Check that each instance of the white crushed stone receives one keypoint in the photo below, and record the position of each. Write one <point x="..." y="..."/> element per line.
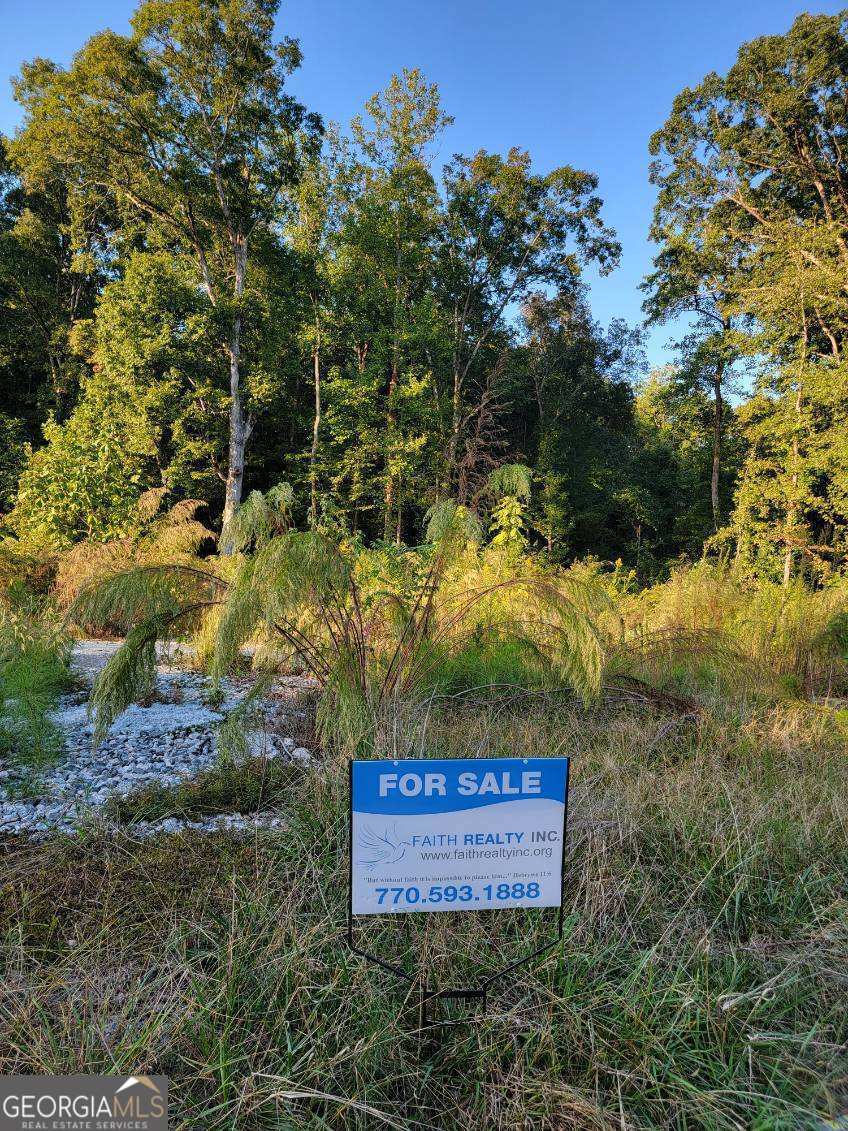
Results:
<point x="236" y="823"/>
<point x="170" y="741"/>
<point x="157" y="719"/>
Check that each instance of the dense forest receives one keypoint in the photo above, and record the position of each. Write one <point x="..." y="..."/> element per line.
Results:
<point x="207" y="290"/>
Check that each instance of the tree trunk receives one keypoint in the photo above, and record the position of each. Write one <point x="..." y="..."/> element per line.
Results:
<point x="239" y="433"/>
<point x="792" y="516"/>
<point x="717" y="439"/>
<point x="391" y="425"/>
<point x="787" y="567"/>
<point x="456" y="421"/>
<point x="316" y="426"/>
<point x="240" y="426"/>
<point x="391" y="410"/>
<point x="793" y="512"/>
<point x="388" y="507"/>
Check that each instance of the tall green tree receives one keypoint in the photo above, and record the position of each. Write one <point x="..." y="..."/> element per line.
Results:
<point x="507" y="232"/>
<point x="313" y="235"/>
<point x="693" y="276"/>
<point x="755" y="158"/>
<point x="383" y="281"/>
<point x="50" y="271"/>
<point x="186" y="126"/>
<point x="675" y="415"/>
<point x="573" y="417"/>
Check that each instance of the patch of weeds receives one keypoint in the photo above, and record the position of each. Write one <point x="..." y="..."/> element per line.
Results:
<point x="230" y="787"/>
<point x="700" y="985"/>
<point x="495" y="663"/>
<point x="34" y="672"/>
<point x="26" y="783"/>
<point x="213" y="696"/>
<point x="294" y="716"/>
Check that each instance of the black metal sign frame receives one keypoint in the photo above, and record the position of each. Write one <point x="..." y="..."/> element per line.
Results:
<point x="427" y="996"/>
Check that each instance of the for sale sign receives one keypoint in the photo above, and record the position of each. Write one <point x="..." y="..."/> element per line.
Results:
<point x="457" y="834"/>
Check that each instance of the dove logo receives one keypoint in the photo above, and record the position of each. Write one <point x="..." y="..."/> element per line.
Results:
<point x="384" y="847"/>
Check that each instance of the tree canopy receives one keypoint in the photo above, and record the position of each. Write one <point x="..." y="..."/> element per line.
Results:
<point x="205" y="291"/>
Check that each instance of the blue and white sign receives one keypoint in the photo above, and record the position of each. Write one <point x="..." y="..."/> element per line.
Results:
<point x="457" y="834"/>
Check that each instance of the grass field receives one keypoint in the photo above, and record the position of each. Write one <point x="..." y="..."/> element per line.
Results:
<point x="702" y="983"/>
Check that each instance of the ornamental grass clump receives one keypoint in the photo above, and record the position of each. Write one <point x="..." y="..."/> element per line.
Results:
<point x="174" y="536"/>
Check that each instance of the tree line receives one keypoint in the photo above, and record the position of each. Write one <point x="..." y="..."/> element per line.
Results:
<point x="205" y="289"/>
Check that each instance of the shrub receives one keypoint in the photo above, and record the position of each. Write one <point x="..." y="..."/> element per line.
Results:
<point x="706" y="625"/>
<point x="85" y="481"/>
<point x="26" y="570"/>
<point x="175" y="534"/>
<point x="373" y="636"/>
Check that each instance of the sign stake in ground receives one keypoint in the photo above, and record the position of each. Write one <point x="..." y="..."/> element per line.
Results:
<point x="435" y="835"/>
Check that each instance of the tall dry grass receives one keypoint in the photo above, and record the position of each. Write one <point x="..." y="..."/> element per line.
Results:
<point x="707" y="623"/>
<point x="701" y="983"/>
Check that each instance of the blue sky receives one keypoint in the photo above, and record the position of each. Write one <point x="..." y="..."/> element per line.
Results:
<point x="574" y="83"/>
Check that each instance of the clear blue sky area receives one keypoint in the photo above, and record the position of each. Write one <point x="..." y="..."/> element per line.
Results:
<point x="574" y="83"/>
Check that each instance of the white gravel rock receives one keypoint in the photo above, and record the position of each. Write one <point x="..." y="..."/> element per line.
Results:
<point x="235" y="823"/>
<point x="165" y="743"/>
